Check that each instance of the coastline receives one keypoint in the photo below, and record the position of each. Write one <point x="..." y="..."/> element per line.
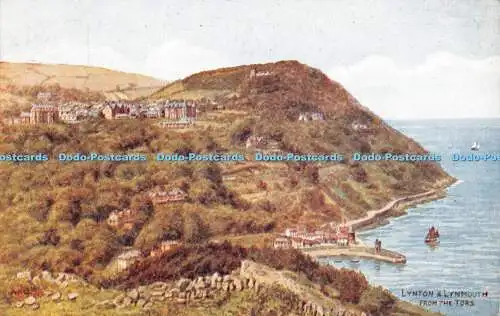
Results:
<point x="379" y="217"/>
<point x="398" y="207"/>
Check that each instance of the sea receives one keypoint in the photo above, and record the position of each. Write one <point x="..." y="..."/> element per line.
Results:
<point x="461" y="275"/>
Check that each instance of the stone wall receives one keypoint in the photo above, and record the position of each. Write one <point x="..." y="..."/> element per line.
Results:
<point x="199" y="291"/>
<point x="202" y="290"/>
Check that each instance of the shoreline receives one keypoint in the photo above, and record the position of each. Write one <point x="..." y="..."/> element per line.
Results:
<point x="378" y="218"/>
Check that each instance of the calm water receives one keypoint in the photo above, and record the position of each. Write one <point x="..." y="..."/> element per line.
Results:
<point x="468" y="256"/>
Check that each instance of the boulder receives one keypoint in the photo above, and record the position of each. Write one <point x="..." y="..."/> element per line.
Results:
<point x="226" y="278"/>
<point x="30" y="300"/>
<point x="127" y="301"/>
<point x="141" y="302"/>
<point x="182" y="284"/>
<point x="72" y="296"/>
<point x="181" y="300"/>
<point x="148" y="305"/>
<point x="157" y="293"/>
<point x="172" y="293"/>
<point x="24" y="275"/>
<point x="200" y="284"/>
<point x="191" y="286"/>
<point x="35" y="306"/>
<point x="238" y="284"/>
<point x="119" y="299"/>
<point x="133" y="294"/>
<point x="158" y="298"/>
<point x="19" y="304"/>
<point x="36" y="280"/>
<point x="61" y="277"/>
<point x="47" y="276"/>
<point x="158" y="286"/>
<point x="56" y="296"/>
<point x="145" y="295"/>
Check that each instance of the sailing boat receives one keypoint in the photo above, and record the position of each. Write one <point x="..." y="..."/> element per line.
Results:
<point x="432" y="236"/>
<point x="475" y="146"/>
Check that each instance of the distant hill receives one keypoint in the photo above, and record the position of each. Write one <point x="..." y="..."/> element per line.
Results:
<point x="114" y="84"/>
<point x="280" y="85"/>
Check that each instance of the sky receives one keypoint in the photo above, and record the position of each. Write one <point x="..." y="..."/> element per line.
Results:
<point x="403" y="59"/>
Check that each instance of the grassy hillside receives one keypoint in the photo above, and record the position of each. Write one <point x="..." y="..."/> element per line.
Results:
<point x="84" y="83"/>
<point x="72" y="76"/>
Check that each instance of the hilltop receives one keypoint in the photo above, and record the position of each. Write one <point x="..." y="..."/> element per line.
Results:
<point x="284" y="85"/>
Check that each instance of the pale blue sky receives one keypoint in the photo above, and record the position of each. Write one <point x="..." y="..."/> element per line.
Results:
<point x="402" y="58"/>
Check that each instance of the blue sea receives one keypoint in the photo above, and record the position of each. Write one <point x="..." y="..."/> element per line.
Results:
<point x="468" y="256"/>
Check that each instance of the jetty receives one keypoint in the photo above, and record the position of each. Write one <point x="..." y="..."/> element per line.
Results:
<point x="356" y="252"/>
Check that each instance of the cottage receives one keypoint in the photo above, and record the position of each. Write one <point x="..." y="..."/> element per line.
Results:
<point x="282" y="243"/>
<point x="124" y="260"/>
<point x="255" y="142"/>
<point x="344" y="235"/>
<point x="160" y="196"/>
<point x="359" y="126"/>
<point x="68" y="115"/>
<point x="164" y="246"/>
<point x="180" y="110"/>
<point x="114" y="110"/>
<point x="43" y="114"/>
<point x="25" y="118"/>
<point x="122" y="219"/>
<point x="44" y="96"/>
<point x="311" y="116"/>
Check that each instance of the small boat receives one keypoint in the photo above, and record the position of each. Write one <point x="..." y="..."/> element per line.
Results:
<point x="337" y="261"/>
<point x="432" y="241"/>
<point x="432" y="236"/>
<point x="355" y="260"/>
<point x="475" y="146"/>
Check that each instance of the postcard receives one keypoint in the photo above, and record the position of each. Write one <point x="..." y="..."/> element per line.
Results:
<point x="232" y="157"/>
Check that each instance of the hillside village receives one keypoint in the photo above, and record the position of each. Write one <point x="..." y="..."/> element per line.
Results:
<point x="184" y="112"/>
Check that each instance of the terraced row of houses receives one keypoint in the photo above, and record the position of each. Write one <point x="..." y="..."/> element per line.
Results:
<point x="342" y="235"/>
<point x="179" y="112"/>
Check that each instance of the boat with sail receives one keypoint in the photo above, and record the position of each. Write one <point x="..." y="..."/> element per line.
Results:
<point x="432" y="236"/>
